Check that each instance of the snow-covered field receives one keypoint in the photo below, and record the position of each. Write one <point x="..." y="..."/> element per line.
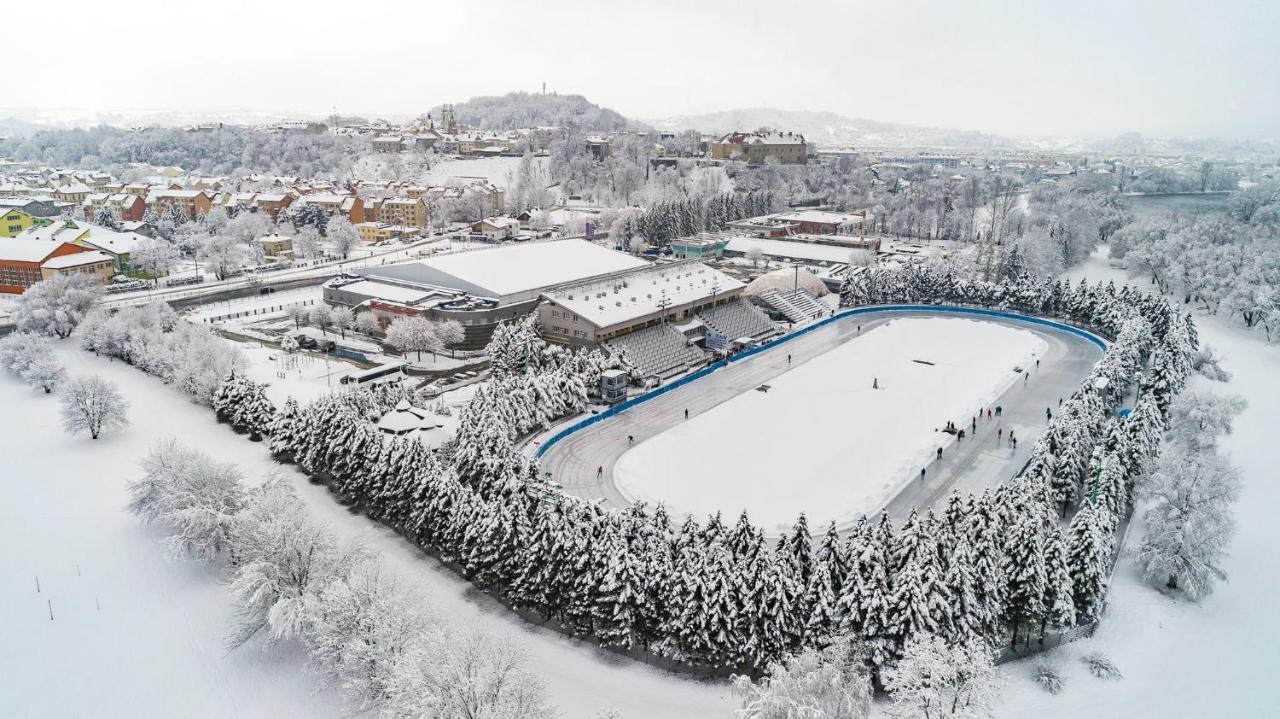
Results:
<point x="493" y="169"/>
<point x="1217" y="657"/>
<point x="822" y="440"/>
<point x="136" y="635"/>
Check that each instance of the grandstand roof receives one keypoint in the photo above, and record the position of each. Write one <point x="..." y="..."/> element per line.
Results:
<point x="617" y="300"/>
<point x="786" y="279"/>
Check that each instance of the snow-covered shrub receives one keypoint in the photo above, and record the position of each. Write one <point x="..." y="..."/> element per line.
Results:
<point x="1101" y="666"/>
<point x="31" y="357"/>
<point x="1208" y="363"/>
<point x="832" y="683"/>
<point x="358" y="628"/>
<point x="1191" y="519"/>
<point x="94" y="405"/>
<point x="152" y="338"/>
<point x="190" y="493"/>
<point x="1048" y="675"/>
<point x="55" y="306"/>
<point x="283" y="562"/>
<point x="459" y="673"/>
<point x="935" y="679"/>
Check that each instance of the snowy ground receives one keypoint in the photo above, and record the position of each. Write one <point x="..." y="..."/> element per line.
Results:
<point x="216" y="310"/>
<point x="822" y="441"/>
<point x="136" y="635"/>
<point x="493" y="169"/>
<point x="1214" y="658"/>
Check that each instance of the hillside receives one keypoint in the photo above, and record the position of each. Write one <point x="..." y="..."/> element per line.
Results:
<point x="829" y="128"/>
<point x="523" y="109"/>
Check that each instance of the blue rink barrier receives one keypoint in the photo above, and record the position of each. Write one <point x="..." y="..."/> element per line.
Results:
<point x="746" y="354"/>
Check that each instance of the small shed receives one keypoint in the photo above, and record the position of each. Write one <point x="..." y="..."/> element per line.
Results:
<point x="406" y="419"/>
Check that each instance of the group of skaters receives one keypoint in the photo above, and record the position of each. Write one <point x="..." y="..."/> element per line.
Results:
<point x="991" y="413"/>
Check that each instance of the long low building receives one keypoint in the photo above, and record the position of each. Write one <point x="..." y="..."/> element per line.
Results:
<point x="593" y="312"/>
<point x="478" y="288"/>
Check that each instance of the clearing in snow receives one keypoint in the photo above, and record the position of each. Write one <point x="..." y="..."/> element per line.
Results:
<point x="823" y="440"/>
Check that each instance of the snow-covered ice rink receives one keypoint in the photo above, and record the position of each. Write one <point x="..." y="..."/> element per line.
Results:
<point x="822" y="440"/>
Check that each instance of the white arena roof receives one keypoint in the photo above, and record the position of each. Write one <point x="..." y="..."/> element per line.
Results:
<point x="513" y="273"/>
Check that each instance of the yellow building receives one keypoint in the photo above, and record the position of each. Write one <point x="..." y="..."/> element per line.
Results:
<point x="403" y="211"/>
<point x="14" y="221"/>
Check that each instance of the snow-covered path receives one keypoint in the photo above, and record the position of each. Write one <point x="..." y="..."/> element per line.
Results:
<point x="1217" y="657"/>
<point x="155" y="647"/>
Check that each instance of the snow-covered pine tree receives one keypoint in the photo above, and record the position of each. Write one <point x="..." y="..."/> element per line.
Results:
<point x="917" y="603"/>
<point x="621" y="595"/>
<point x="1060" y="611"/>
<point x="1089" y="551"/>
<point x="801" y="546"/>
<point x="1025" y="573"/>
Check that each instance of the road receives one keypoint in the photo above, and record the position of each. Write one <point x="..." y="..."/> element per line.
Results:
<point x="971" y="464"/>
<point x="399" y="253"/>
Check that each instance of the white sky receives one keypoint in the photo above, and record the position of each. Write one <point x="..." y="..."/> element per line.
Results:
<point x="1049" y="66"/>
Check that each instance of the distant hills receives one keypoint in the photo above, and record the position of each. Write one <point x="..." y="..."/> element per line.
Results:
<point x="525" y="109"/>
<point x="829" y="128"/>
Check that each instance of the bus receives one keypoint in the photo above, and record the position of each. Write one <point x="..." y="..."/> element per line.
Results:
<point x="393" y="372"/>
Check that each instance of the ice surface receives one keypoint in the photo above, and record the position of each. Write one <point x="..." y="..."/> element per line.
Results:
<point x="821" y="440"/>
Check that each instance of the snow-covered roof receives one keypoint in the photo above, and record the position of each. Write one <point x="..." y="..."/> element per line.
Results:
<point x="76" y="259"/>
<point x="22" y="249"/>
<point x="785" y="248"/>
<point x="384" y="291"/>
<point x="787" y="279"/>
<point x="620" y="299"/>
<point x="406" y="418"/>
<point x="513" y="273"/>
<point x="118" y="243"/>
<point x="819" y="216"/>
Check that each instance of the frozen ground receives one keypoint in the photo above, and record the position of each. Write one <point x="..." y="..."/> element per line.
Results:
<point x="1214" y="658"/>
<point x="822" y="440"/>
<point x="153" y="648"/>
<point x="494" y="169"/>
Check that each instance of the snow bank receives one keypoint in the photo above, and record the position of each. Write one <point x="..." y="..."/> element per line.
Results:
<point x="822" y="441"/>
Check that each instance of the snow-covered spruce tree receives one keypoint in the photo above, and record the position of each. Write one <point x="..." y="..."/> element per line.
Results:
<point x="622" y="596"/>
<point x="194" y="496"/>
<point x="1089" y="550"/>
<point x="831" y="683"/>
<point x="864" y="605"/>
<point x="1191" y="522"/>
<point x="1026" y="575"/>
<point x="938" y="679"/>
<point x="1059" y="606"/>
<point x="917" y="603"/>
<point x="94" y="405"/>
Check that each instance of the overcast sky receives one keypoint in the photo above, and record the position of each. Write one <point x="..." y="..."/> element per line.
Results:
<point x="1051" y="66"/>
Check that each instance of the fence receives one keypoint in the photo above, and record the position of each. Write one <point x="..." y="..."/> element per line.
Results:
<point x="255" y="311"/>
<point x="746" y="354"/>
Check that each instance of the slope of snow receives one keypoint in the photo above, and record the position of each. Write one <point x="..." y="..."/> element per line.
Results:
<point x="821" y="440"/>
<point x="136" y="635"/>
<point x="1217" y="657"/>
